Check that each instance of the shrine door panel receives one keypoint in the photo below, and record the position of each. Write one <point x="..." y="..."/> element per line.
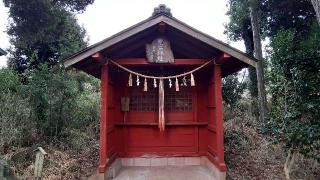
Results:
<point x="149" y="141"/>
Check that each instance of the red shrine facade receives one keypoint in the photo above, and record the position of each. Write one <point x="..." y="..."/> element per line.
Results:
<point x="130" y="128"/>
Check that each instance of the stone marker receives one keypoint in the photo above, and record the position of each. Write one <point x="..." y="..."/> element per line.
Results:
<point x="38" y="166"/>
<point x="4" y="169"/>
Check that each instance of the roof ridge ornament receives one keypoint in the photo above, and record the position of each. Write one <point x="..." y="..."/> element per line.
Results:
<point x="162" y="10"/>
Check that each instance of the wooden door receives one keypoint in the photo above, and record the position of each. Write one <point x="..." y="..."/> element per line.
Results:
<point x="142" y="135"/>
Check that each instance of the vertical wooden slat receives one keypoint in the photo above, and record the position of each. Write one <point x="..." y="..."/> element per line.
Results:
<point x="195" y="116"/>
<point x="218" y="113"/>
<point x="103" y="118"/>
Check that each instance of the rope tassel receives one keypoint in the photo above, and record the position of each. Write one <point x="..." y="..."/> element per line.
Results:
<point x="170" y="83"/>
<point x="130" y="80"/>
<point x="177" y="85"/>
<point x="161" y="106"/>
<point x="138" y="81"/>
<point x="154" y="83"/>
<point x="193" y="83"/>
<point x="145" y="86"/>
<point x="184" y="81"/>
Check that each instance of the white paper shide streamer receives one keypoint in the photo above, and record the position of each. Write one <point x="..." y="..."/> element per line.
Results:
<point x="159" y="82"/>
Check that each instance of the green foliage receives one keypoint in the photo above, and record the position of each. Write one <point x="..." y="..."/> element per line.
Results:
<point x="15" y="124"/>
<point x="275" y="15"/>
<point x="87" y="110"/>
<point x="237" y="140"/>
<point x="286" y="14"/>
<point x="9" y="81"/>
<point x="60" y="99"/>
<point x="50" y="101"/>
<point x="51" y="95"/>
<point x="73" y="5"/>
<point x="43" y="31"/>
<point x="239" y="19"/>
<point x="293" y="76"/>
<point x="77" y="139"/>
<point x="46" y="106"/>
<point x="15" y="127"/>
<point x="294" y="79"/>
<point x="239" y="28"/>
<point x="232" y="90"/>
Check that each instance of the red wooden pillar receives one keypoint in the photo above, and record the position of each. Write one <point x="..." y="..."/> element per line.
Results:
<point x="103" y="118"/>
<point x="218" y="115"/>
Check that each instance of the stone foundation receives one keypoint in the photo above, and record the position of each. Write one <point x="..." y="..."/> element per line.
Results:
<point x="116" y="166"/>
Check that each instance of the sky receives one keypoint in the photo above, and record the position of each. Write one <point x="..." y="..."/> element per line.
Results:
<point x="106" y="17"/>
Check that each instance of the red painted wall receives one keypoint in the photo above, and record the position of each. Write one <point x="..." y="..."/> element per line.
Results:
<point x="195" y="133"/>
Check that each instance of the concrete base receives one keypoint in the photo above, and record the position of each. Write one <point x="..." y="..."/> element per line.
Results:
<point x="215" y="172"/>
<point x="150" y="168"/>
<point x="165" y="173"/>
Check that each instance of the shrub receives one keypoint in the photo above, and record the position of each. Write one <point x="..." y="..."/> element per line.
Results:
<point x="294" y="80"/>
<point x="16" y="126"/>
<point x="232" y="90"/>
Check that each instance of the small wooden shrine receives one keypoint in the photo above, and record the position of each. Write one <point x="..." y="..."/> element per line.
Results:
<point x="160" y="93"/>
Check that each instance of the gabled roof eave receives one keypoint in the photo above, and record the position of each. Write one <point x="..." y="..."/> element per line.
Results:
<point x="215" y="43"/>
<point x="224" y="47"/>
<point x="2" y="52"/>
<point x="87" y="52"/>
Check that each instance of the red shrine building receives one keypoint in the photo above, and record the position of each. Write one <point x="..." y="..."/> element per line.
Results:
<point x="161" y="97"/>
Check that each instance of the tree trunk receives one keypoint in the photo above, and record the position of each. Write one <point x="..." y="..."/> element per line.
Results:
<point x="254" y="14"/>
<point x="316" y="6"/>
<point x="247" y="36"/>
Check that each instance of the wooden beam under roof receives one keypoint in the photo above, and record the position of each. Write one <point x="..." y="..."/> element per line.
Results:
<point x="98" y="57"/>
<point x="223" y="57"/>
<point x="177" y="62"/>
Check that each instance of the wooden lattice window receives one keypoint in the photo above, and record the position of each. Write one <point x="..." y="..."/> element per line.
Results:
<point x="143" y="101"/>
<point x="180" y="101"/>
